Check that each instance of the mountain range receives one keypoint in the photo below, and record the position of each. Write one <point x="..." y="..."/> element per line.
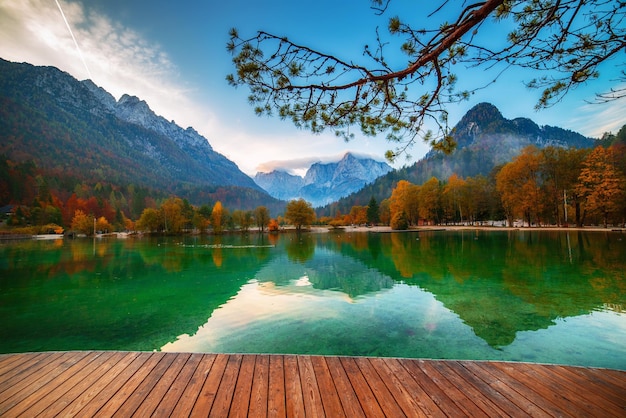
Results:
<point x="485" y="139"/>
<point x="324" y="183"/>
<point x="78" y="129"/>
<point x="77" y="134"/>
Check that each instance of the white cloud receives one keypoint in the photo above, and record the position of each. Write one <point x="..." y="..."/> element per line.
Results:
<point x="120" y="60"/>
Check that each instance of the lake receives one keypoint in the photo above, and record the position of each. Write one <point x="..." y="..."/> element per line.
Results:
<point x="522" y="295"/>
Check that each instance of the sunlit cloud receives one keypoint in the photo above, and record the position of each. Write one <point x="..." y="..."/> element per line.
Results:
<point x="114" y="57"/>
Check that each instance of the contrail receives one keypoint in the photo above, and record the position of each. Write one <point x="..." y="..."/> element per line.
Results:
<point x="72" y="34"/>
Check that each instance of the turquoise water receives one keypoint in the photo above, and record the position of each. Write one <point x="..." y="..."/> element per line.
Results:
<point x="538" y="296"/>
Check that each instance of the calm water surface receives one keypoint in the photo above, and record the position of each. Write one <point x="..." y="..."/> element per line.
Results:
<point x="538" y="296"/>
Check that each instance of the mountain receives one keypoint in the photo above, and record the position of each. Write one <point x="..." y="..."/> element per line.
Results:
<point x="78" y="129"/>
<point x="324" y="182"/>
<point x="485" y="139"/>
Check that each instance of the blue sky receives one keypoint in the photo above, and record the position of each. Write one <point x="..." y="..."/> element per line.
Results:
<point x="172" y="54"/>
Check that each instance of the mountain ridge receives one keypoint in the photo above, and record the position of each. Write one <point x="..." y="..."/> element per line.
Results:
<point x="324" y="182"/>
<point x="485" y="140"/>
<point x="77" y="127"/>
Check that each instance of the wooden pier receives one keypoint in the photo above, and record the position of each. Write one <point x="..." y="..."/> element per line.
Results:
<point x="125" y="384"/>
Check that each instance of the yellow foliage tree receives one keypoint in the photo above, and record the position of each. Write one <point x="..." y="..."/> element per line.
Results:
<point x="217" y="218"/>
<point x="404" y="198"/>
<point x="299" y="213"/>
<point x="600" y="184"/>
<point x="83" y="223"/>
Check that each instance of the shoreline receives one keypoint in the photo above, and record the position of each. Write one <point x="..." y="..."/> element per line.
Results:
<point x="360" y="229"/>
<point x="433" y="228"/>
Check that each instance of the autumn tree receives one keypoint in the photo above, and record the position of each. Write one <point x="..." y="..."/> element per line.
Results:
<point x="519" y="185"/>
<point x="430" y="200"/>
<point x="560" y="170"/>
<point x="83" y="223"/>
<point x="103" y="225"/>
<point x="150" y="220"/>
<point x="299" y="212"/>
<point x="174" y="215"/>
<point x="272" y="225"/>
<point x="244" y="219"/>
<point x="404" y="199"/>
<point x="600" y="184"/>
<point x="451" y="199"/>
<point x="358" y="215"/>
<point x="218" y="218"/>
<point x="261" y="217"/>
<point x="564" y="42"/>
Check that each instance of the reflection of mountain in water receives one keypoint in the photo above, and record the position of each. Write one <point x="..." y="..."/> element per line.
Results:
<point x="327" y="270"/>
<point x="501" y="283"/>
<point x="114" y="294"/>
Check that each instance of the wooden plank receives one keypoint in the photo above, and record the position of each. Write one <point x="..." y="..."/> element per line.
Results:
<point x="22" y="371"/>
<point x="193" y="388"/>
<point x="379" y="389"/>
<point x="38" y="379"/>
<point x="55" y="379"/>
<point x="328" y="392"/>
<point x="206" y="397"/>
<point x="602" y="381"/>
<point x="473" y="394"/>
<point x="260" y="383"/>
<point x="524" y="386"/>
<point x="106" y="380"/>
<point x="177" y="387"/>
<point x="455" y="395"/>
<point x="294" y="402"/>
<point x="276" y="391"/>
<point x="156" y="391"/>
<point x="588" y="384"/>
<point x="525" y="400"/>
<point x="48" y="399"/>
<point x="310" y="390"/>
<point x="568" y="400"/>
<point x="431" y="389"/>
<point x="224" y="395"/>
<point x="483" y="389"/>
<point x="170" y="384"/>
<point x="79" y="390"/>
<point x="366" y="397"/>
<point x="345" y="390"/>
<point x="142" y="385"/>
<point x="407" y="392"/>
<point x="11" y="363"/>
<point x="114" y="395"/>
<point x="243" y="388"/>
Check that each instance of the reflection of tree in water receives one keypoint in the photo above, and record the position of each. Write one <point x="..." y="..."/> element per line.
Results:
<point x="336" y="272"/>
<point x="300" y="247"/>
<point x="501" y="283"/>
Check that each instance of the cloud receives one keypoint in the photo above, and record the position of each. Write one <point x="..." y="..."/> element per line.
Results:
<point x="120" y="60"/>
<point x="299" y="166"/>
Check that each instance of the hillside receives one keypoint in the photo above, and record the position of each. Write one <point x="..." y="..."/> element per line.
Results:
<point x="74" y="129"/>
<point x="485" y="140"/>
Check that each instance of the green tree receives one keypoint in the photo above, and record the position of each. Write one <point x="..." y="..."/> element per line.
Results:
<point x="299" y="213"/>
<point x="564" y="42"/>
<point x="373" y="216"/>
